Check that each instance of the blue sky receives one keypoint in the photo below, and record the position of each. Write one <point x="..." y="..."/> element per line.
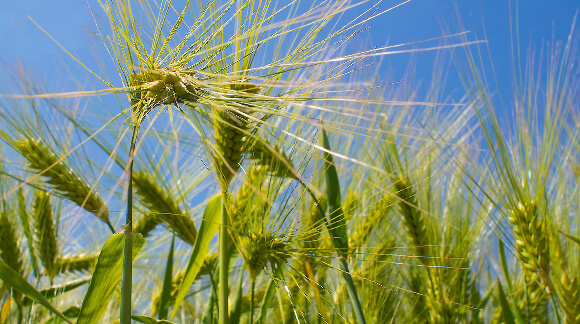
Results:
<point x="70" y="22"/>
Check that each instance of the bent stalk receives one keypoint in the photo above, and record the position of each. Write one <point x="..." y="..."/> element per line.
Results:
<point x="125" y="316"/>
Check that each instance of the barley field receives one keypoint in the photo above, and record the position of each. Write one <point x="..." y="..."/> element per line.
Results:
<point x="244" y="161"/>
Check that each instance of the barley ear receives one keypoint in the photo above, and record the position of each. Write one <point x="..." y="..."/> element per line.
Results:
<point x="63" y="178"/>
<point x="531" y="242"/>
<point x="45" y="233"/>
<point x="25" y="221"/>
<point x="76" y="263"/>
<point x="163" y="209"/>
<point x="570" y="299"/>
<point x="9" y="247"/>
<point x="412" y="217"/>
<point x="230" y="138"/>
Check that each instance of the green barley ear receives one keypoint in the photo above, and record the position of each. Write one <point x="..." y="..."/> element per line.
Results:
<point x="272" y="157"/>
<point x="45" y="233"/>
<point x="63" y="179"/>
<point x="76" y="263"/>
<point x="163" y="207"/>
<point x="247" y="202"/>
<point x="147" y="223"/>
<point x="258" y="249"/>
<point x="230" y="138"/>
<point x="531" y="243"/>
<point x="532" y="249"/>
<point x="156" y="87"/>
<point x="9" y="247"/>
<point x="25" y="221"/>
<point x="570" y="299"/>
<point x="412" y="218"/>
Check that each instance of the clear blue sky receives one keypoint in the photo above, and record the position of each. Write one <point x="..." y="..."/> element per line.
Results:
<point x="70" y="22"/>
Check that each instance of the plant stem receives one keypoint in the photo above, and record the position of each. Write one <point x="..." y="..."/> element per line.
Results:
<point x="224" y="260"/>
<point x="126" y="285"/>
<point x="252" y="303"/>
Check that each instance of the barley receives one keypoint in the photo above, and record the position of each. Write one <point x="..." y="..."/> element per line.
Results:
<point x="63" y="179"/>
<point x="146" y="224"/>
<point x="45" y="232"/>
<point x="570" y="299"/>
<point x="76" y="263"/>
<point x="272" y="157"/>
<point x="532" y="249"/>
<point x="412" y="219"/>
<point x="9" y="247"/>
<point x="163" y="207"/>
<point x="258" y="249"/>
<point x="230" y="139"/>
<point x="153" y="88"/>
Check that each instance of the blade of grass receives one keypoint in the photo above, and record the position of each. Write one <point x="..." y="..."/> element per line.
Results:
<point x="149" y="320"/>
<point x="106" y="277"/>
<point x="209" y="226"/>
<point x="508" y="317"/>
<point x="507" y="276"/>
<point x="54" y="291"/>
<point x="571" y="237"/>
<point x="166" y="291"/>
<point x="14" y="280"/>
<point x="336" y="225"/>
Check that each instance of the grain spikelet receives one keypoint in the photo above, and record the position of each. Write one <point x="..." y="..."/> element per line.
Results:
<point x="76" y="263"/>
<point x="412" y="218"/>
<point x="63" y="179"/>
<point x="570" y="299"/>
<point x="9" y="247"/>
<point x="25" y="221"/>
<point x="163" y="207"/>
<point x="45" y="233"/>
<point x="146" y="223"/>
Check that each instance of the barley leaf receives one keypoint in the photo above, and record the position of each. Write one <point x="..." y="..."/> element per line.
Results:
<point x="166" y="291"/>
<point x="210" y="224"/>
<point x="508" y="317"/>
<point x="106" y="277"/>
<point x="148" y="320"/>
<point x="57" y="290"/>
<point x="336" y="225"/>
<point x="571" y="237"/>
<point x="14" y="280"/>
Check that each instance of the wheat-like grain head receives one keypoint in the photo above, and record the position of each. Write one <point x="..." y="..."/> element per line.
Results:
<point x="9" y="247"/>
<point x="163" y="209"/>
<point x="46" y="243"/>
<point x="63" y="178"/>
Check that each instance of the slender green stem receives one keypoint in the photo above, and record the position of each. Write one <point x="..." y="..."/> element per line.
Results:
<point x="251" y="321"/>
<point x="127" y="280"/>
<point x="224" y="262"/>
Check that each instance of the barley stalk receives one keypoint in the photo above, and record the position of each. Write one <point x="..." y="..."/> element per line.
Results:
<point x="164" y="209"/>
<point x="45" y="232"/>
<point x="63" y="179"/>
